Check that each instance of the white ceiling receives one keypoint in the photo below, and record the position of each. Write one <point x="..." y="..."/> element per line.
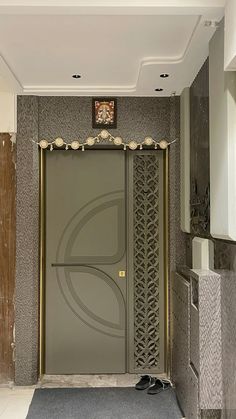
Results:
<point x="118" y="50"/>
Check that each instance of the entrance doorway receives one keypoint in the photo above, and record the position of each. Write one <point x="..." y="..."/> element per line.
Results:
<point x="104" y="282"/>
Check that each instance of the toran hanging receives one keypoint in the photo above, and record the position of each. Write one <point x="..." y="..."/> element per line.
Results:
<point x="104" y="136"/>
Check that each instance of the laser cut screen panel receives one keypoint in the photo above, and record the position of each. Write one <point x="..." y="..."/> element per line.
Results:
<point x="146" y="257"/>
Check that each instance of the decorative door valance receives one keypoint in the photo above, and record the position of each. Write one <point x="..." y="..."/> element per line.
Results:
<point x="104" y="137"/>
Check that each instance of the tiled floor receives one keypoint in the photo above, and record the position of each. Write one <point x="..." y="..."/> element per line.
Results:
<point x="14" y="402"/>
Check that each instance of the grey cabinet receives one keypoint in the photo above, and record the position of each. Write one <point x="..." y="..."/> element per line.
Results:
<point x="196" y="341"/>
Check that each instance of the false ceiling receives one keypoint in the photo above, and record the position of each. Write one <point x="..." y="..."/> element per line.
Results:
<point x="118" y="50"/>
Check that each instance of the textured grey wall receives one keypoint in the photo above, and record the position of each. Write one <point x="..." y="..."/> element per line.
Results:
<point x="27" y="243"/>
<point x="70" y="118"/>
<point x="210" y="342"/>
<point x="228" y="295"/>
<point x="177" y="239"/>
<point x="198" y="378"/>
<point x="224" y="252"/>
<point x="180" y="296"/>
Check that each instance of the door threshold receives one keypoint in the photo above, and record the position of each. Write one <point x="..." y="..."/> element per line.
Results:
<point x="90" y="380"/>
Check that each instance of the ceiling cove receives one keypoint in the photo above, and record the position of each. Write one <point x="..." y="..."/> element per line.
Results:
<point x="118" y="48"/>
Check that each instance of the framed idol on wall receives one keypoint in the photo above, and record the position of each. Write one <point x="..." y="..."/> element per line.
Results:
<point x="104" y="112"/>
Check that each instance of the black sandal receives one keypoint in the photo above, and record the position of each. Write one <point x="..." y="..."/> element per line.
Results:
<point x="145" y="382"/>
<point x="159" y="386"/>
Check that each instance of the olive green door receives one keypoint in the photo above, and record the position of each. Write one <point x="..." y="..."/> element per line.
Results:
<point x="85" y="292"/>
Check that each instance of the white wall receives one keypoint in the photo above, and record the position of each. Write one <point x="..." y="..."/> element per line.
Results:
<point x="202" y="253"/>
<point x="222" y="142"/>
<point x="8" y="122"/>
<point x="230" y="35"/>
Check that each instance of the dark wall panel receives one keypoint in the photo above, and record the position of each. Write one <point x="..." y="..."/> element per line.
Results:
<point x="199" y="153"/>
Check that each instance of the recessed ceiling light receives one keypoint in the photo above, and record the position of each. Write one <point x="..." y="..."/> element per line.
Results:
<point x="159" y="89"/>
<point x="211" y="23"/>
<point x="76" y="76"/>
<point x="164" y="75"/>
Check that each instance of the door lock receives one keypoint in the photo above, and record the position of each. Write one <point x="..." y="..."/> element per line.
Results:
<point x="122" y="274"/>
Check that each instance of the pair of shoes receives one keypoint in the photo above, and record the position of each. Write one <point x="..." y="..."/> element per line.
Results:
<point x="154" y="385"/>
<point x="145" y="381"/>
<point x="159" y="386"/>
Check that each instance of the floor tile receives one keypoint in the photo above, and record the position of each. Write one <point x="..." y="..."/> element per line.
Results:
<point x="15" y="403"/>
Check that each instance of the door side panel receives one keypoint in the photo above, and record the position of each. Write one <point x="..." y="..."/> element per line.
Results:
<point x="146" y="262"/>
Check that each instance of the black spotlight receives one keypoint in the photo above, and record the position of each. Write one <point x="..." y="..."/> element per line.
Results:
<point x="164" y="75"/>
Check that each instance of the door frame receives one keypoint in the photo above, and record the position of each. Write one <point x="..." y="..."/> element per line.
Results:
<point x="42" y="231"/>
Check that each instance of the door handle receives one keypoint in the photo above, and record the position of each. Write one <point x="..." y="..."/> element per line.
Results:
<point x="54" y="265"/>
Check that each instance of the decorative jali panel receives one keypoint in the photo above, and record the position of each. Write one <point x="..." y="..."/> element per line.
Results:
<point x="147" y="262"/>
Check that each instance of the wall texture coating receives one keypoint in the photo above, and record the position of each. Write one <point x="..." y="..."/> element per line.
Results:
<point x="27" y="243"/>
<point x="71" y="118"/>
